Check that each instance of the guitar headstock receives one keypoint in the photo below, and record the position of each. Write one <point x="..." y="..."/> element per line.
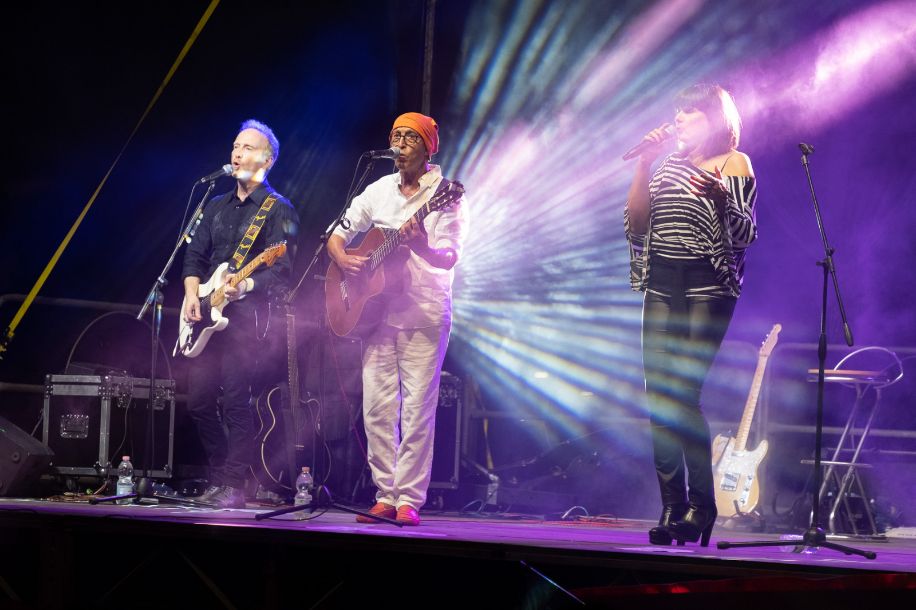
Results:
<point x="446" y="197"/>
<point x="272" y="253"/>
<point x="770" y="342"/>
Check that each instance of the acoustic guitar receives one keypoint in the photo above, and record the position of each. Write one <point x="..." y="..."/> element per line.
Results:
<point x="355" y="304"/>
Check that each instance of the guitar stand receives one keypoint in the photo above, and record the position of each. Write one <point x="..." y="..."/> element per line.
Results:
<point x="751" y="522"/>
<point x="815" y="536"/>
<point x="318" y="505"/>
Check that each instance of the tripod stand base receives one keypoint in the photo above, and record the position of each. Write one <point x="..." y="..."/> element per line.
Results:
<point x="317" y="505"/>
<point x="813" y="537"/>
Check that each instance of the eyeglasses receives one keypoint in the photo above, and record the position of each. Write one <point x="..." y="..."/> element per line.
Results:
<point x="409" y="138"/>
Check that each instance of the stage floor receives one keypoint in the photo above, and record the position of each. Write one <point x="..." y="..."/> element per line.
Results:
<point x="605" y="547"/>
<point x="594" y="538"/>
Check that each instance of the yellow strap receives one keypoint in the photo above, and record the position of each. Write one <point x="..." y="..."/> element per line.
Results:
<point x="241" y="252"/>
<point x="10" y="330"/>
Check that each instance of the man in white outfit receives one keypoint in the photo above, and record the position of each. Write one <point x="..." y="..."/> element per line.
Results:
<point x="402" y="358"/>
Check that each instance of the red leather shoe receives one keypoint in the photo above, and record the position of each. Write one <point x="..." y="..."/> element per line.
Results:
<point x="382" y="510"/>
<point x="408" y="515"/>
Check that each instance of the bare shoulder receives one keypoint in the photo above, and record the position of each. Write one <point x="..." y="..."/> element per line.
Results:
<point x="738" y="164"/>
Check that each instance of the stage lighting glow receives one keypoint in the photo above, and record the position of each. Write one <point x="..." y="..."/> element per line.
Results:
<point x="547" y="97"/>
<point x="818" y="81"/>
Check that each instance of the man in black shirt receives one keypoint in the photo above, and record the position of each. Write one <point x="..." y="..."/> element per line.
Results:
<point x="228" y="358"/>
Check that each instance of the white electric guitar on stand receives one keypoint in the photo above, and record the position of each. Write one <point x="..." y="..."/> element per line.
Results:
<point x="735" y="468"/>
<point x="193" y="336"/>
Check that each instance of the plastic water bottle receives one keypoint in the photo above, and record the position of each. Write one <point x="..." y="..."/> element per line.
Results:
<point x="125" y="479"/>
<point x="303" y="492"/>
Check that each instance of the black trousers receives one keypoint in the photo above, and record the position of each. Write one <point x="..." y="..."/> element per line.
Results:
<point x="224" y="371"/>
<point x="680" y="338"/>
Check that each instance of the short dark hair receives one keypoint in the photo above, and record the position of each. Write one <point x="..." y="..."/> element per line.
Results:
<point x="719" y="107"/>
<point x="267" y="132"/>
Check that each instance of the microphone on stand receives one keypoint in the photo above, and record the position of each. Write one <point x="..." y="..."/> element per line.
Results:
<point x="668" y="133"/>
<point x="389" y="153"/>
<point x="225" y="170"/>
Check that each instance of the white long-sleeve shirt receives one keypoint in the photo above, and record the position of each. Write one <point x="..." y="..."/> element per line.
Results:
<point x="427" y="297"/>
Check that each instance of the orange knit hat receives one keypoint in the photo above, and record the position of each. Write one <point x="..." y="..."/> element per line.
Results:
<point x="423" y="125"/>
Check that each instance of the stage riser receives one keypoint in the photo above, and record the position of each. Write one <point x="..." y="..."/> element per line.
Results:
<point x="64" y="563"/>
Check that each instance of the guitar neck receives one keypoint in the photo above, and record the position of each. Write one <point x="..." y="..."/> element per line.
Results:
<point x="750" y="406"/>
<point x="292" y="372"/>
<point x="247" y="269"/>
<point x="244" y="272"/>
<point x="394" y="239"/>
<point x="292" y="361"/>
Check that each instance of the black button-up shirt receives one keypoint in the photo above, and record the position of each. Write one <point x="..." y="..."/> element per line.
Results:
<point x="226" y="219"/>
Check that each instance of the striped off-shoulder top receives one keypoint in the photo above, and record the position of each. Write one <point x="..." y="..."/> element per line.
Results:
<point x="684" y="226"/>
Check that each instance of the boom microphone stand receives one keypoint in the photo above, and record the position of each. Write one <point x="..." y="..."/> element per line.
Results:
<point x="322" y="245"/>
<point x="155" y="299"/>
<point x="814" y="536"/>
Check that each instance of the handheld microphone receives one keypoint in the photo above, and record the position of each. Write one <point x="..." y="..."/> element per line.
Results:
<point x="225" y="170"/>
<point x="668" y="133"/>
<point x="389" y="153"/>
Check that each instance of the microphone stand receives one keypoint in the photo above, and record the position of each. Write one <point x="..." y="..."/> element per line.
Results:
<point x="322" y="245"/>
<point x="814" y="536"/>
<point x="155" y="299"/>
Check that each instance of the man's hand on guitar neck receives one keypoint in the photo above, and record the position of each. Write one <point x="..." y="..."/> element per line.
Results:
<point x="413" y="235"/>
<point x="234" y="293"/>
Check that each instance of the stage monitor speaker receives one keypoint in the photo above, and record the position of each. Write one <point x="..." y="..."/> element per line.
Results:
<point x="23" y="459"/>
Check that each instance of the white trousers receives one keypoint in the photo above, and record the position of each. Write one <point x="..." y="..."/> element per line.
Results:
<point x="401" y="371"/>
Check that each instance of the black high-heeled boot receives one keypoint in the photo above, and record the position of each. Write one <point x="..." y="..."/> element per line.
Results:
<point x="696" y="525"/>
<point x="660" y="534"/>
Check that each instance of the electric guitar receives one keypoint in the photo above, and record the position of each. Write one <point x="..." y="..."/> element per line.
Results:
<point x="356" y="303"/>
<point x="735" y="468"/>
<point x="193" y="336"/>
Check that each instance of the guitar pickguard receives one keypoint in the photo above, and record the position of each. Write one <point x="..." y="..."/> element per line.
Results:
<point x="736" y="479"/>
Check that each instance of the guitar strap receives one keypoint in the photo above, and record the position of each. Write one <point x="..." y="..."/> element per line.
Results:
<point x="443" y="185"/>
<point x="241" y="253"/>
